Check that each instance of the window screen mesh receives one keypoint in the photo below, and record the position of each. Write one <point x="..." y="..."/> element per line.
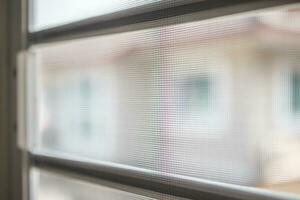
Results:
<point x="216" y="99"/>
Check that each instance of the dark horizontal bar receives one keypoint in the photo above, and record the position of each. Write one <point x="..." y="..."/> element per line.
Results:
<point x="148" y="13"/>
<point x="164" y="183"/>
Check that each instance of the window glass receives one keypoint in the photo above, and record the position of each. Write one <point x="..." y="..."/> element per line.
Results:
<point x="50" y="13"/>
<point x="198" y="99"/>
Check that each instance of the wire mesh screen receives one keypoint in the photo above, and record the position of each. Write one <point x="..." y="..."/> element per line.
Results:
<point x="217" y="99"/>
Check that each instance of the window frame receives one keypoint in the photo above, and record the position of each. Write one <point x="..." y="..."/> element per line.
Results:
<point x="127" y="20"/>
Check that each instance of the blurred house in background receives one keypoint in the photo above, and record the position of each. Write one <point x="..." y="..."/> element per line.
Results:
<point x="228" y="89"/>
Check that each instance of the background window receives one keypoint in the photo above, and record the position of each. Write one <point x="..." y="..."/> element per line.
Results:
<point x="198" y="94"/>
<point x="296" y="92"/>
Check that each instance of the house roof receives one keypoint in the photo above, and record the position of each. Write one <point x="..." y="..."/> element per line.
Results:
<point x="274" y="26"/>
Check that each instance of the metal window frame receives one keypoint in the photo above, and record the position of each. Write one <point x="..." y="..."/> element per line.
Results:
<point x="4" y="170"/>
<point x="11" y="41"/>
<point x="160" y="182"/>
<point x="127" y="20"/>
